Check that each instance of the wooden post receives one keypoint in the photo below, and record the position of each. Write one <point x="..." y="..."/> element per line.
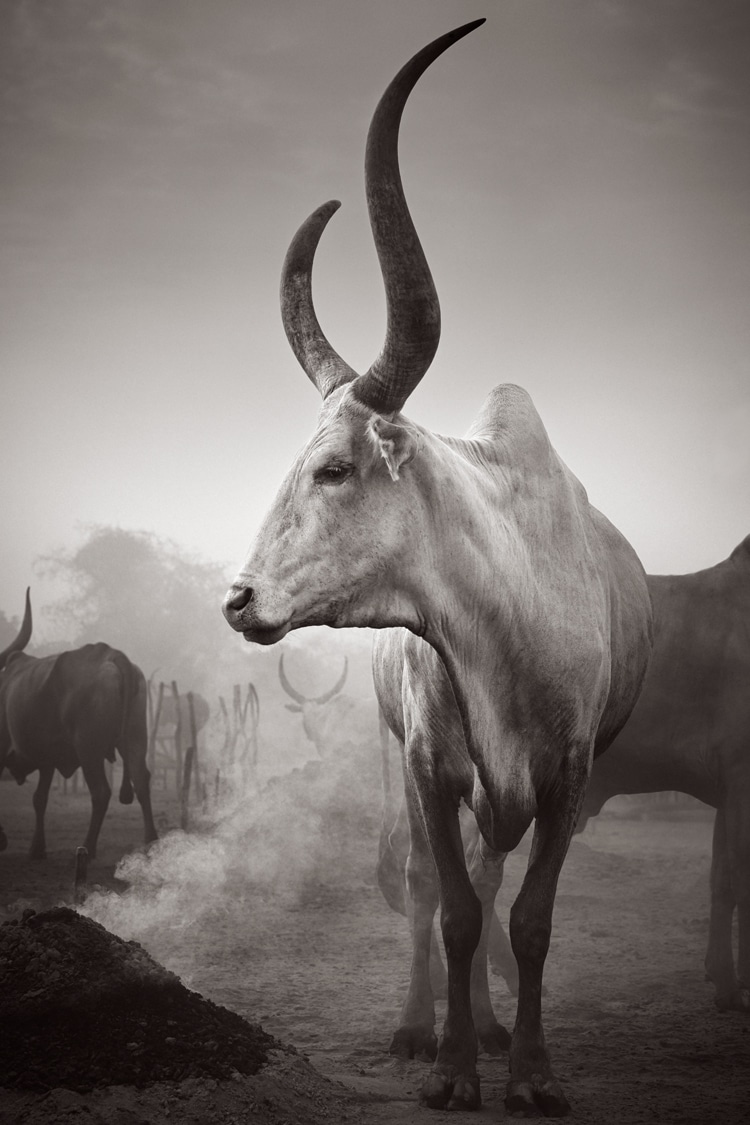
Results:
<point x="177" y="735"/>
<point x="254" y="703"/>
<point x="199" y="787"/>
<point x="151" y="753"/>
<point x="185" y="799"/>
<point x="79" y="885"/>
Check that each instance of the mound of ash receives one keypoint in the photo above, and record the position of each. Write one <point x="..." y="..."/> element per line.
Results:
<point x="80" y="1008"/>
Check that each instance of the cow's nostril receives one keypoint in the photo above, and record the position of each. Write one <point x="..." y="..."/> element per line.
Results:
<point x="242" y="598"/>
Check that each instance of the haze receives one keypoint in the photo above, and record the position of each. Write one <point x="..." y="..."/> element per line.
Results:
<point x="579" y="174"/>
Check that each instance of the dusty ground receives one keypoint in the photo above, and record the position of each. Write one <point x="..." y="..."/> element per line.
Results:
<point x="322" y="964"/>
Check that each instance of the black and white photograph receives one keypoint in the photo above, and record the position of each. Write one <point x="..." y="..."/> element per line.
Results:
<point x="375" y="592"/>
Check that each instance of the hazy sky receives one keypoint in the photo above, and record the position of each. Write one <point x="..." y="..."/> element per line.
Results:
<point x="578" y="170"/>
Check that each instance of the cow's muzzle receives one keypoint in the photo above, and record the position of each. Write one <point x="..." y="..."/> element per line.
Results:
<point x="240" y="607"/>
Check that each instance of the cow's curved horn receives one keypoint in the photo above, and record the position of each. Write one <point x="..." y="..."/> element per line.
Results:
<point x="339" y="684"/>
<point x="24" y="633"/>
<point x="413" y="310"/>
<point x="320" y="362"/>
<point x="288" y="687"/>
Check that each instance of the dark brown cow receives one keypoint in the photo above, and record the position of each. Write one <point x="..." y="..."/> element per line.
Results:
<point x="690" y="732"/>
<point x="74" y="709"/>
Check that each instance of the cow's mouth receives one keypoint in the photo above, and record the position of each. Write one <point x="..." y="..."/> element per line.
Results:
<point x="267" y="634"/>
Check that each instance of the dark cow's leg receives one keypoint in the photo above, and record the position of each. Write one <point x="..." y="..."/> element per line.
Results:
<point x="415" y="1036"/>
<point x="438" y="973"/>
<point x="738" y="847"/>
<point x="500" y="952"/>
<point x="96" y="779"/>
<point x="41" y="795"/>
<point x="486" y="874"/>
<point x="719" y="956"/>
<point x="133" y="746"/>
<point x="141" y="779"/>
<point x="533" y="1086"/>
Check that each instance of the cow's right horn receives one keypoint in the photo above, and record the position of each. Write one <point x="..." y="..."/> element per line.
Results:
<point x="320" y="362"/>
<point x="24" y="634"/>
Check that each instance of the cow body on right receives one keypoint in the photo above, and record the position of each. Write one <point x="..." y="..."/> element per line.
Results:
<point x="690" y="733"/>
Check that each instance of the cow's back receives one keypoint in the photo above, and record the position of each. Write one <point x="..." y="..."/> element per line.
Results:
<point x="95" y="687"/>
<point x="693" y="715"/>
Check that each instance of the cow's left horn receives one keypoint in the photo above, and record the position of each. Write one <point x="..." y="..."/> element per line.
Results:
<point x="413" y="310"/>
<point x="320" y="362"/>
<point x="24" y="634"/>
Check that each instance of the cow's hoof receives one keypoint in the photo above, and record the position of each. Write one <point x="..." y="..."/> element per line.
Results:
<point x="410" y="1042"/>
<point x="443" y="1091"/>
<point x="535" y="1098"/>
<point x="494" y="1039"/>
<point x="738" y="1000"/>
<point x="466" y="1093"/>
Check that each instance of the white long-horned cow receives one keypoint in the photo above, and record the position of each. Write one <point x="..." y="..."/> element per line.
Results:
<point x="504" y="579"/>
<point x="319" y="713"/>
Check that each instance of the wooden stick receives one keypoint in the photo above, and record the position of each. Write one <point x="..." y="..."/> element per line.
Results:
<point x="177" y="735"/>
<point x="184" y="815"/>
<point x="154" y="728"/>
<point x="79" y="885"/>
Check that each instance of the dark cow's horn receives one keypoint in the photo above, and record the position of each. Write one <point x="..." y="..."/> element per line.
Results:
<point x="339" y="684"/>
<point x="413" y="310"/>
<point x="24" y="634"/>
<point x="320" y="362"/>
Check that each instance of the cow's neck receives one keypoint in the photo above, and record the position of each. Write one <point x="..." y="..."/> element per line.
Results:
<point x="500" y="612"/>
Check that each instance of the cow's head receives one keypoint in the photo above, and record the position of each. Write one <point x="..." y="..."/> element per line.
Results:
<point x="314" y="709"/>
<point x="336" y="547"/>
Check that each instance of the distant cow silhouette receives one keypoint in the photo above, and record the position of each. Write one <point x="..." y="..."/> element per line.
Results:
<point x="321" y="714"/>
<point x="70" y="710"/>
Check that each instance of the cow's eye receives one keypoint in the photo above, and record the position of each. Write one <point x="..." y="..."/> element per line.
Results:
<point x="333" y="474"/>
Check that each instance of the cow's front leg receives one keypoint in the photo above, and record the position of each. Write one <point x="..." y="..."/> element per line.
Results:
<point x="41" y="796"/>
<point x="500" y="954"/>
<point x="453" y="1082"/>
<point x="96" y="780"/>
<point x="533" y="1087"/>
<point x="486" y="869"/>
<point x="415" y="1036"/>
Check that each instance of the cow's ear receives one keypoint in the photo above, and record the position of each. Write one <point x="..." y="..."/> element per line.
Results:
<point x="293" y="707"/>
<point x="396" y="444"/>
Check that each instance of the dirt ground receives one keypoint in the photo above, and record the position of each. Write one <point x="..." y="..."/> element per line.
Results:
<point x="322" y="964"/>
